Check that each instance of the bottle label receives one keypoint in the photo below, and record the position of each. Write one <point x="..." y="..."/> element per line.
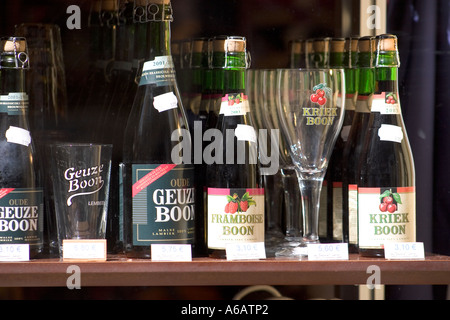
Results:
<point x="234" y="216"/>
<point x="18" y="136"/>
<point x="388" y="132"/>
<point x="337" y="211"/>
<point x="163" y="205"/>
<point x="234" y="104"/>
<point x="386" y="103"/>
<point x="386" y="215"/>
<point x="165" y="101"/>
<point x="352" y="213"/>
<point x="14" y="103"/>
<point x="21" y="216"/>
<point x="363" y="104"/>
<point x="160" y="71"/>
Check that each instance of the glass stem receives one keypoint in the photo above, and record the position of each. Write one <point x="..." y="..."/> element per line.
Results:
<point x="310" y="190"/>
<point x="293" y="216"/>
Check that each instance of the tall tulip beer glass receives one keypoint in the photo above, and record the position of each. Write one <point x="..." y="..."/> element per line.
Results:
<point x="311" y="110"/>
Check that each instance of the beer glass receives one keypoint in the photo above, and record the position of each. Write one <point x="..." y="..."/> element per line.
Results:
<point x="311" y="112"/>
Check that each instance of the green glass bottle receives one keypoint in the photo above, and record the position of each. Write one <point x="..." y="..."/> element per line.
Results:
<point x="235" y="199"/>
<point x="352" y="151"/>
<point x="297" y="57"/>
<point x="158" y="179"/>
<point x="386" y="188"/>
<point x="21" y="191"/>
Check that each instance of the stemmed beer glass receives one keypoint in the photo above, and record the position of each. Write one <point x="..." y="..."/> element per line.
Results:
<point x="311" y="111"/>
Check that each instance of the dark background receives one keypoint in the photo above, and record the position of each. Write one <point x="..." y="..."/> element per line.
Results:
<point x="423" y="29"/>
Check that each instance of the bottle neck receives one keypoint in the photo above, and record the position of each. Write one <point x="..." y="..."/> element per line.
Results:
<point x="158" y="33"/>
<point x="230" y="69"/>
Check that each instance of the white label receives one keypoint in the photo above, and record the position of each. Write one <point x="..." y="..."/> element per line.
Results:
<point x="386" y="103"/>
<point x="388" y="132"/>
<point x="171" y="252"/>
<point x="404" y="250"/>
<point x="245" y="251"/>
<point x="18" y="135"/>
<point x="160" y="62"/>
<point x="165" y="101"/>
<point x="14" y="252"/>
<point x="328" y="251"/>
<point x="234" y="104"/>
<point x="84" y="249"/>
<point x="245" y="132"/>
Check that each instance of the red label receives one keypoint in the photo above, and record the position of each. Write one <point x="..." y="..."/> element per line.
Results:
<point x="151" y="177"/>
<point x="5" y="191"/>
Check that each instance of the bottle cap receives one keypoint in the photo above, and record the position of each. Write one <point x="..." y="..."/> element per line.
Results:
<point x="366" y="44"/>
<point x="297" y="46"/>
<point x="321" y="44"/>
<point x="14" y="49"/>
<point x="337" y="45"/>
<point x="229" y="44"/>
<point x="387" y="43"/>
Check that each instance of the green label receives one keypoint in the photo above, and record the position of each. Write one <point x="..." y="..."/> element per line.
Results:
<point x="163" y="205"/>
<point x="159" y="71"/>
<point x="21" y="216"/>
<point x="14" y="103"/>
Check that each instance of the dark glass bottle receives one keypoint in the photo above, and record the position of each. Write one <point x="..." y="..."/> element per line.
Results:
<point x="334" y="172"/>
<point x="21" y="192"/>
<point x="297" y="50"/>
<point x="356" y="137"/>
<point x="235" y="199"/>
<point x="158" y="184"/>
<point x="386" y="189"/>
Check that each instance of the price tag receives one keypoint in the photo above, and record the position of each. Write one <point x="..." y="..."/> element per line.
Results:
<point x="14" y="252"/>
<point x="171" y="252"/>
<point x="404" y="250"/>
<point x="245" y="251"/>
<point x="328" y="251"/>
<point x="84" y="249"/>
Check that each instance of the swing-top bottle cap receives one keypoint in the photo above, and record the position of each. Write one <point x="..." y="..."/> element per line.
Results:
<point x="366" y="44"/>
<point x="337" y="44"/>
<point x="229" y="44"/>
<point x="13" y="52"/>
<point x="297" y="46"/>
<point x="321" y="44"/>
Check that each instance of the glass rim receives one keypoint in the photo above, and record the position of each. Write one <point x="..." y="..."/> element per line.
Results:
<point x="80" y="144"/>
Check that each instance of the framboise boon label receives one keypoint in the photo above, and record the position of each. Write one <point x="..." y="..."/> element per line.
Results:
<point x="163" y="205"/>
<point x="234" y="104"/>
<point x="159" y="71"/>
<point x="235" y="216"/>
<point x="21" y="216"/>
<point x="386" y="215"/>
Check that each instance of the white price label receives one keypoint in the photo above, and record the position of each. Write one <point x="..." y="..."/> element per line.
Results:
<point x="14" y="252"/>
<point x="171" y="252"/>
<point x="404" y="250"/>
<point x="84" y="249"/>
<point x="328" y="251"/>
<point x="245" y="251"/>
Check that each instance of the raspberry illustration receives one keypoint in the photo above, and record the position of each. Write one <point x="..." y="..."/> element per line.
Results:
<point x="233" y="207"/>
<point x="244" y="206"/>
<point x="227" y="208"/>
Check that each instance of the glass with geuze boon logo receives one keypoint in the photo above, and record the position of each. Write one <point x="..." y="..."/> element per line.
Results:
<point x="81" y="176"/>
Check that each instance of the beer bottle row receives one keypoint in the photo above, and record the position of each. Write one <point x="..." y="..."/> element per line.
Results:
<point x="368" y="197"/>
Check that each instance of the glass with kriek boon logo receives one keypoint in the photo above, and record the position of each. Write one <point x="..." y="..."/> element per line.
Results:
<point x="80" y="176"/>
<point x="311" y="110"/>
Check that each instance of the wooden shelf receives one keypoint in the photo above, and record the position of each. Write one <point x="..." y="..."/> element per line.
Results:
<point x="120" y="271"/>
